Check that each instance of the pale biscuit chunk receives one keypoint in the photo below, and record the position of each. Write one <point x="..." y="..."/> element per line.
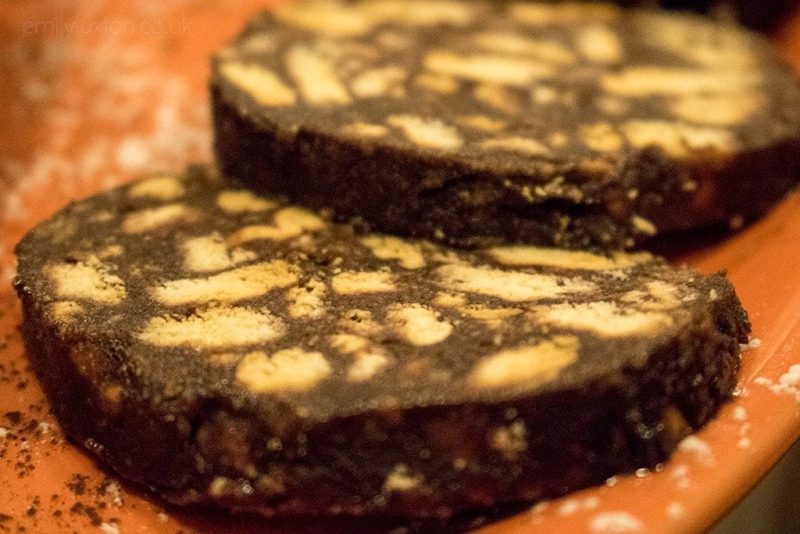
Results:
<point x="149" y="219"/>
<point x="354" y="282"/>
<point x="88" y="279"/>
<point x="211" y="253"/>
<point x="525" y="365"/>
<point x="159" y="187"/>
<point x="213" y="328"/>
<point x="286" y="370"/>
<point x="242" y="200"/>
<point x="237" y="284"/>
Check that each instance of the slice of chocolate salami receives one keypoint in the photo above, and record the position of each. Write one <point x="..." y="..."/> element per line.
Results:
<point x="223" y="347"/>
<point x="475" y="123"/>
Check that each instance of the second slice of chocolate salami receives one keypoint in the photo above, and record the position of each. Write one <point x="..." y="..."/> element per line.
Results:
<point x="477" y="122"/>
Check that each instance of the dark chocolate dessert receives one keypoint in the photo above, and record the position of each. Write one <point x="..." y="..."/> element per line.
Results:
<point x="228" y="348"/>
<point x="475" y="123"/>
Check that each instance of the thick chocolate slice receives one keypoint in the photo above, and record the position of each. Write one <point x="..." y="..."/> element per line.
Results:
<point x="484" y="122"/>
<point x="223" y="347"/>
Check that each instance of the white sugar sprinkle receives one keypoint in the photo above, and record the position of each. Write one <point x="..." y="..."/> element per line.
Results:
<point x="675" y="510"/>
<point x="109" y="528"/>
<point x="590" y="503"/>
<point x="615" y="523"/>
<point x="698" y="447"/>
<point x="680" y="473"/>
<point x="788" y="383"/>
<point x="133" y="154"/>
<point x="569" y="507"/>
<point x="540" y="507"/>
<point x="113" y="491"/>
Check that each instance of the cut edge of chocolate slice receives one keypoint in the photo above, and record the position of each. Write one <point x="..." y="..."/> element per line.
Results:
<point x="765" y="16"/>
<point x="222" y="347"/>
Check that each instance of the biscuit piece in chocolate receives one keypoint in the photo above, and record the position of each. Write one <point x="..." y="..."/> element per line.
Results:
<point x="493" y="122"/>
<point x="223" y="347"/>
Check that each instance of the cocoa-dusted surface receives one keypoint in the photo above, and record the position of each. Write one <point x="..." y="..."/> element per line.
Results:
<point x="418" y="438"/>
<point x="596" y="167"/>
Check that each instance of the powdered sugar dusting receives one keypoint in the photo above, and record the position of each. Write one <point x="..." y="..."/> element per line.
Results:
<point x="571" y="506"/>
<point x="680" y="474"/>
<point x="698" y="447"/>
<point x="114" y="492"/>
<point x="675" y="510"/>
<point x="615" y="523"/>
<point x="753" y="343"/>
<point x="787" y="384"/>
<point x="740" y="415"/>
<point x="133" y="153"/>
<point x="540" y="507"/>
<point x="590" y="503"/>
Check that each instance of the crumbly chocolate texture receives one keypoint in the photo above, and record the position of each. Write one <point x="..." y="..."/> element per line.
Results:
<point x="224" y="347"/>
<point x="475" y="123"/>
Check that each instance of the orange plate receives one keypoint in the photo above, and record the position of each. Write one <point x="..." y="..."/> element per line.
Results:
<point x="96" y="93"/>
